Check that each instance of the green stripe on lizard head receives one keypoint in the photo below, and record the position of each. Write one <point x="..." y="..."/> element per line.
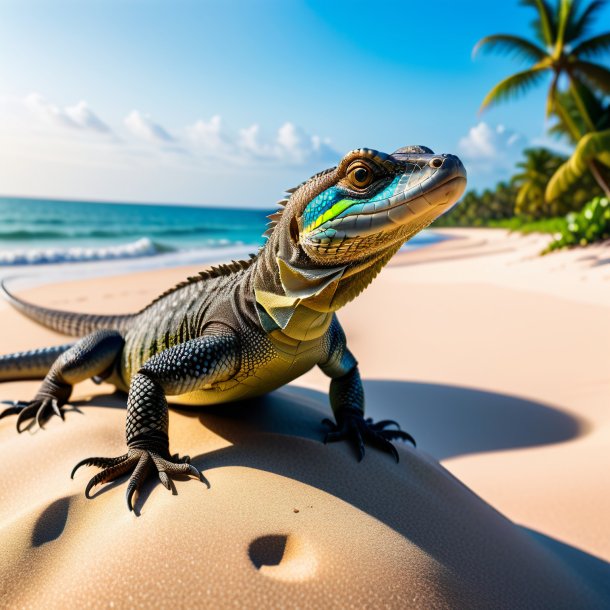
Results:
<point x="332" y="203"/>
<point x="327" y="213"/>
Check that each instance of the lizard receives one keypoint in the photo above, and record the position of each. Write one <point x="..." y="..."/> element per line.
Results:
<point x="243" y="329"/>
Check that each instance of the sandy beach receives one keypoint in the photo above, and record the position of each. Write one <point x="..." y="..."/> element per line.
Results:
<point x="496" y="360"/>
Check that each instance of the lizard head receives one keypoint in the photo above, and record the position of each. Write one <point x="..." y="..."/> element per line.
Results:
<point x="340" y="227"/>
<point x="377" y="202"/>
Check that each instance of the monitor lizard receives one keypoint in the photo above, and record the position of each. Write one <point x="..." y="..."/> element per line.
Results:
<point x="243" y="329"/>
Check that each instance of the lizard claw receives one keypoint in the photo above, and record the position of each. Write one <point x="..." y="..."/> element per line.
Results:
<point x="352" y="426"/>
<point x="40" y="409"/>
<point x="15" y="406"/>
<point x="140" y="462"/>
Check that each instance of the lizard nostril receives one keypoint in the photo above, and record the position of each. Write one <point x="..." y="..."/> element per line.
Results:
<point x="436" y="162"/>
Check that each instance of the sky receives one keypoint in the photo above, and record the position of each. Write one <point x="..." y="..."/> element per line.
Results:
<point x="230" y="103"/>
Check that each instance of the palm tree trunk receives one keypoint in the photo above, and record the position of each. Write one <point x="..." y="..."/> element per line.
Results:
<point x="593" y="166"/>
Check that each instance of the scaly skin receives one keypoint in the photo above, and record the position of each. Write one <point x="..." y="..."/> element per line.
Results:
<point x="244" y="329"/>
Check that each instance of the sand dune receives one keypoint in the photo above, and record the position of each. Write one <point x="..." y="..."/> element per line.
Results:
<point x="287" y="522"/>
<point x="506" y="384"/>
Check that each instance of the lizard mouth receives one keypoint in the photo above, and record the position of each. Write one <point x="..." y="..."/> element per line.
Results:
<point x="412" y="206"/>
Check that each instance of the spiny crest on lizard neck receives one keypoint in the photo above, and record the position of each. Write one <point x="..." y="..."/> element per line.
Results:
<point x="215" y="271"/>
<point x="274" y="218"/>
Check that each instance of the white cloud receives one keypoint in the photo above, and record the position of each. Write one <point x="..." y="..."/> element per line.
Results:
<point x="210" y="136"/>
<point x="84" y="117"/>
<point x="205" y="141"/>
<point x="79" y="116"/>
<point x="291" y="145"/>
<point x="72" y="152"/>
<point x="490" y="153"/>
<point x="144" y="128"/>
<point x="485" y="142"/>
<point x="295" y="144"/>
<point x="249" y="142"/>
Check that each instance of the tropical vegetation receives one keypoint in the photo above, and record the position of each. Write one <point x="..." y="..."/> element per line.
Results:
<point x="562" y="49"/>
<point x="522" y="198"/>
<point x="582" y="228"/>
<point x="546" y="184"/>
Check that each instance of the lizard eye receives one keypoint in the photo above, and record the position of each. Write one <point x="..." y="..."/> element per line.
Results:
<point x="359" y="175"/>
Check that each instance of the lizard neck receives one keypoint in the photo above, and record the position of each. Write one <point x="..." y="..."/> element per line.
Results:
<point x="296" y="299"/>
<point x="293" y="301"/>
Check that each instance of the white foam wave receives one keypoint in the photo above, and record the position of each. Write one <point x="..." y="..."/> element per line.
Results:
<point x="141" y="247"/>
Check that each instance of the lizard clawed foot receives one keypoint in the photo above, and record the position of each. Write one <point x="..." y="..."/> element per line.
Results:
<point x="139" y="461"/>
<point x="40" y="409"/>
<point x="353" y="427"/>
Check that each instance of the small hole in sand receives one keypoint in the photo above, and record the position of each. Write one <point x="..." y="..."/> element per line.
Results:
<point x="283" y="557"/>
<point x="267" y="550"/>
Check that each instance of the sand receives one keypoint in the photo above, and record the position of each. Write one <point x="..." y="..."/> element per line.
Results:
<point x="495" y="360"/>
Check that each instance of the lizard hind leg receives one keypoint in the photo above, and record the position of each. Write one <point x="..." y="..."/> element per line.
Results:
<point x="92" y="356"/>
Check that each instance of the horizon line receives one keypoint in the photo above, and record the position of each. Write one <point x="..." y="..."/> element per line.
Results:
<point x="143" y="203"/>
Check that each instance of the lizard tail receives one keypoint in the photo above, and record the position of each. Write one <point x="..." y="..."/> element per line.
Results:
<point x="67" y="322"/>
<point x="33" y="364"/>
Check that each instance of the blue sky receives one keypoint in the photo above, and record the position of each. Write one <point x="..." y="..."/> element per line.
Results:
<point x="230" y="102"/>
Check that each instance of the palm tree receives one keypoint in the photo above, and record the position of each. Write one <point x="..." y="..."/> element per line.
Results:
<point x="597" y="109"/>
<point x="535" y="169"/>
<point x="591" y="147"/>
<point x="561" y="48"/>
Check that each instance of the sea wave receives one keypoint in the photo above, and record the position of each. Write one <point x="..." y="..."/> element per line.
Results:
<point x="114" y="232"/>
<point x="33" y="221"/>
<point x="136" y="249"/>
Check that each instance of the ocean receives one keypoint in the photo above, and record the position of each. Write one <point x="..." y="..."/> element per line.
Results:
<point x="36" y="232"/>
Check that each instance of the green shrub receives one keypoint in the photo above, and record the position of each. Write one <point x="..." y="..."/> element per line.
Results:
<point x="523" y="225"/>
<point x="591" y="224"/>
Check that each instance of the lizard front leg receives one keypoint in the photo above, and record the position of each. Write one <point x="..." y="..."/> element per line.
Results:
<point x="92" y="356"/>
<point x="183" y="368"/>
<point x="347" y="402"/>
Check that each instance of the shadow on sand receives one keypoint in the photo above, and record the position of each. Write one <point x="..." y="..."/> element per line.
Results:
<point x="448" y="421"/>
<point x="281" y="434"/>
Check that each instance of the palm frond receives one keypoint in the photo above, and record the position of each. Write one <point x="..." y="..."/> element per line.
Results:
<point x="544" y="24"/>
<point x="526" y="192"/>
<point x="569" y="118"/>
<point x="514" y="85"/>
<point x="572" y="16"/>
<point x="596" y="75"/>
<point x="507" y="44"/>
<point x="583" y="22"/>
<point x="593" y="103"/>
<point x="559" y="131"/>
<point x="552" y="94"/>
<point x="592" y="46"/>
<point x="563" y="16"/>
<point x="593" y="146"/>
